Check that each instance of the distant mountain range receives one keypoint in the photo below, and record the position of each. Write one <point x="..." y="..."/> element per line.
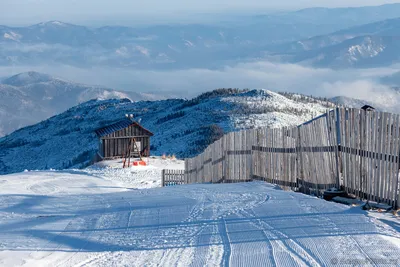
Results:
<point x="28" y="98"/>
<point x="345" y="38"/>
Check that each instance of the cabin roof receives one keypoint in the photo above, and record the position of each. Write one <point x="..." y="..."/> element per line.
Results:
<point x="122" y="124"/>
<point x="367" y="107"/>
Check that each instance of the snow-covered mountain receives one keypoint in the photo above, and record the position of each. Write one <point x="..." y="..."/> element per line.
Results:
<point x="371" y="45"/>
<point x="181" y="127"/>
<point x="390" y="27"/>
<point x="359" y="52"/>
<point x="28" y="98"/>
<point x="178" y="45"/>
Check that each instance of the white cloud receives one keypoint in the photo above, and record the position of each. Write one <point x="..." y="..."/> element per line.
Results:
<point x="277" y="77"/>
<point x="370" y="91"/>
<point x="40" y="47"/>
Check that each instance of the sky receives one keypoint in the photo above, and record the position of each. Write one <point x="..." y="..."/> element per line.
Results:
<point x="33" y="11"/>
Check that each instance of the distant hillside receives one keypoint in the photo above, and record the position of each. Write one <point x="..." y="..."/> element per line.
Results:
<point x="359" y="52"/>
<point x="181" y="127"/>
<point x="30" y="97"/>
<point x="351" y="102"/>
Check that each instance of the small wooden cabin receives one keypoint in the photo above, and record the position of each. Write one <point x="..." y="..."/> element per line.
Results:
<point x="114" y="139"/>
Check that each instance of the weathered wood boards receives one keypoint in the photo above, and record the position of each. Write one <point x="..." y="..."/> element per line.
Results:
<point x="370" y="143"/>
<point x="274" y="156"/>
<point x="345" y="148"/>
<point x="317" y="154"/>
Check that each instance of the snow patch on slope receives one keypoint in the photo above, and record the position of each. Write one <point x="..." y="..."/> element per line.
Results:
<point x="12" y="36"/>
<point x="367" y="49"/>
<point x="274" y="110"/>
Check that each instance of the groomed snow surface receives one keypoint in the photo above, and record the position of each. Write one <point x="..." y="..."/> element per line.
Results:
<point x="108" y="216"/>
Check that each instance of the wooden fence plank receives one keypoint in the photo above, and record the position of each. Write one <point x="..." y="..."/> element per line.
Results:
<point x="396" y="155"/>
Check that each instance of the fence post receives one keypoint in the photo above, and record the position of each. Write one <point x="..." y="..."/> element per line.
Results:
<point x="252" y="162"/>
<point x="186" y="174"/>
<point x="337" y="149"/>
<point x="163" y="178"/>
<point x="300" y="159"/>
<point x="397" y="191"/>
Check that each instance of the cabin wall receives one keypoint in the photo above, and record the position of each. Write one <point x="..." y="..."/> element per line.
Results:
<point x="115" y="144"/>
<point x="117" y="147"/>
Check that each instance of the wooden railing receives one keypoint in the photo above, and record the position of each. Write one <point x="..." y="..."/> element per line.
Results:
<point x="173" y="177"/>
<point x="352" y="149"/>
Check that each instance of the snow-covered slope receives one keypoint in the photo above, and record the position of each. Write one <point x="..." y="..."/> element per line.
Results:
<point x="181" y="127"/>
<point x="362" y="52"/>
<point x="75" y="218"/>
<point x="30" y="97"/>
<point x="274" y="110"/>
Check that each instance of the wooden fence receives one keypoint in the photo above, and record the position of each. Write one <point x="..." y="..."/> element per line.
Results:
<point x="352" y="149"/>
<point x="173" y="177"/>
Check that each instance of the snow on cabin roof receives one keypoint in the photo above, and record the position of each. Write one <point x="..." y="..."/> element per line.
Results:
<point x="119" y="126"/>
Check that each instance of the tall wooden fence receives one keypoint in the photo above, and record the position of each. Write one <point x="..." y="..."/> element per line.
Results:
<point x="352" y="149"/>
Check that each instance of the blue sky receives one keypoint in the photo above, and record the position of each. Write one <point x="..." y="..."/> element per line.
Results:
<point x="32" y="11"/>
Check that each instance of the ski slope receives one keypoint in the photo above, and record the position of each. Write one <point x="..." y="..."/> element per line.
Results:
<point x="93" y="218"/>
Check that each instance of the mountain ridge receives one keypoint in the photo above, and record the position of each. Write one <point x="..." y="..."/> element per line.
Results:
<point x="180" y="127"/>
<point x="27" y="98"/>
